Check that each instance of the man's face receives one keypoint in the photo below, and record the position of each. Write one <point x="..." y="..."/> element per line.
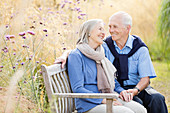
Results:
<point x="117" y="30"/>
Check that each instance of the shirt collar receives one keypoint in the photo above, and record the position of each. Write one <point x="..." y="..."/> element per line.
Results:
<point x="129" y="42"/>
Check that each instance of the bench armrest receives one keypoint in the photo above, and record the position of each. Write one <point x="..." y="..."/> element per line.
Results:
<point x="110" y="97"/>
<point x="87" y="95"/>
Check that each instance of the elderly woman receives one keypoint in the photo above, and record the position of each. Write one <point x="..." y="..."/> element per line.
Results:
<point x="91" y="72"/>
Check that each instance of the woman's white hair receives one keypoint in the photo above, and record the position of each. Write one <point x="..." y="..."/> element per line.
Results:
<point x="86" y="28"/>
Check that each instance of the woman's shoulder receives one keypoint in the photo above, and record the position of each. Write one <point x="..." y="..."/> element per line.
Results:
<point x="76" y="52"/>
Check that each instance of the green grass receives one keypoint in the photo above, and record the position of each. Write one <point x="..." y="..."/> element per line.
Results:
<point x="162" y="82"/>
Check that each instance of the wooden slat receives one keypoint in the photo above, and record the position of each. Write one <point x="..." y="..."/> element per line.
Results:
<point x="65" y="88"/>
<point x="71" y="103"/>
<point x="60" y="81"/>
<point x="57" y="105"/>
<point x="87" y="95"/>
<point x="60" y="91"/>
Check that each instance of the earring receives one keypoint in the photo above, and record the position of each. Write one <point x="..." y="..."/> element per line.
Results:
<point x="89" y="35"/>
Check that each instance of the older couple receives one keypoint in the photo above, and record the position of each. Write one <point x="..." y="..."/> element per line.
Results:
<point x="127" y="57"/>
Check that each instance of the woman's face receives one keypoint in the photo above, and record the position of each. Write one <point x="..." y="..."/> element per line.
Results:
<point x="97" y="34"/>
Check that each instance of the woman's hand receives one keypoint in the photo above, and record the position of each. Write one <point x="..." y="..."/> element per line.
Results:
<point x="126" y="95"/>
<point x="115" y="102"/>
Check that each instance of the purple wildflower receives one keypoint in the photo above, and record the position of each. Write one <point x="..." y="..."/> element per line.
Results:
<point x="29" y="58"/>
<point x="33" y="77"/>
<point x="63" y="6"/>
<point x="7" y="26"/>
<point x="31" y="32"/>
<point x="37" y="62"/>
<point x="24" y="46"/>
<point x="1" y="66"/>
<point x="79" y="17"/>
<point x="0" y="70"/>
<point x="82" y="14"/>
<point x="45" y="30"/>
<point x="13" y="67"/>
<point x="5" y="50"/>
<point x="7" y="37"/>
<point x="21" y="33"/>
<point x="25" y="82"/>
<point x="14" y="53"/>
<point x="70" y="2"/>
<point x="14" y="49"/>
<point x="64" y="48"/>
<point x="40" y="72"/>
<point x="64" y="23"/>
<point x="16" y="64"/>
<point x="22" y="63"/>
<point x="65" y="1"/>
<point x="77" y="9"/>
<point x="24" y="37"/>
<point x="46" y="35"/>
<point x="32" y="27"/>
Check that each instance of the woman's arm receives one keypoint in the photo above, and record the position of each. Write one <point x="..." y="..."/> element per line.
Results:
<point x="76" y="76"/>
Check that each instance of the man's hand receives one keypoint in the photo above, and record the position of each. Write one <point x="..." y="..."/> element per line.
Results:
<point x="126" y="96"/>
<point x="133" y="91"/>
<point x="61" y="60"/>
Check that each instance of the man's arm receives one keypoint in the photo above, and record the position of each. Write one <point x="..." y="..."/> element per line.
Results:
<point x="143" y="83"/>
<point x="63" y="58"/>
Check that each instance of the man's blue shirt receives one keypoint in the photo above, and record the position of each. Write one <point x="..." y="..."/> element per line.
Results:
<point x="139" y="64"/>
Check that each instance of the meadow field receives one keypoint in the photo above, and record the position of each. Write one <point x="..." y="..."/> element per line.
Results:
<point x="35" y="32"/>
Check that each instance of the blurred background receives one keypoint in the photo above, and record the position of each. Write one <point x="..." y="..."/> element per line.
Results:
<point x="35" y="32"/>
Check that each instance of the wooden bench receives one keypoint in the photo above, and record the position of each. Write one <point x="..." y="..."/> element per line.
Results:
<point x="59" y="91"/>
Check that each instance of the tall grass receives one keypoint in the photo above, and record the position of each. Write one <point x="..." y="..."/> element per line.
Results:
<point x="33" y="32"/>
<point x="164" y="28"/>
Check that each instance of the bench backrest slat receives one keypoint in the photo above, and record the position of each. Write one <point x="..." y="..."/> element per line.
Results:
<point x="56" y="81"/>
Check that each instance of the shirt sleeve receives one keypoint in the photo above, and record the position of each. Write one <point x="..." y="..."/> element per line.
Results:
<point x="118" y="88"/>
<point x="76" y="76"/>
<point x="145" y="66"/>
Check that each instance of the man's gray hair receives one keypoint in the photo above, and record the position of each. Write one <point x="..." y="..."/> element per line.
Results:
<point x="126" y="18"/>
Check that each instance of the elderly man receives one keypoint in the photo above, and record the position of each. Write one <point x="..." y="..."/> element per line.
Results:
<point x="134" y="67"/>
<point x="131" y="58"/>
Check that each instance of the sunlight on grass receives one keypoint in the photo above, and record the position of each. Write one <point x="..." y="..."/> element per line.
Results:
<point x="162" y="82"/>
